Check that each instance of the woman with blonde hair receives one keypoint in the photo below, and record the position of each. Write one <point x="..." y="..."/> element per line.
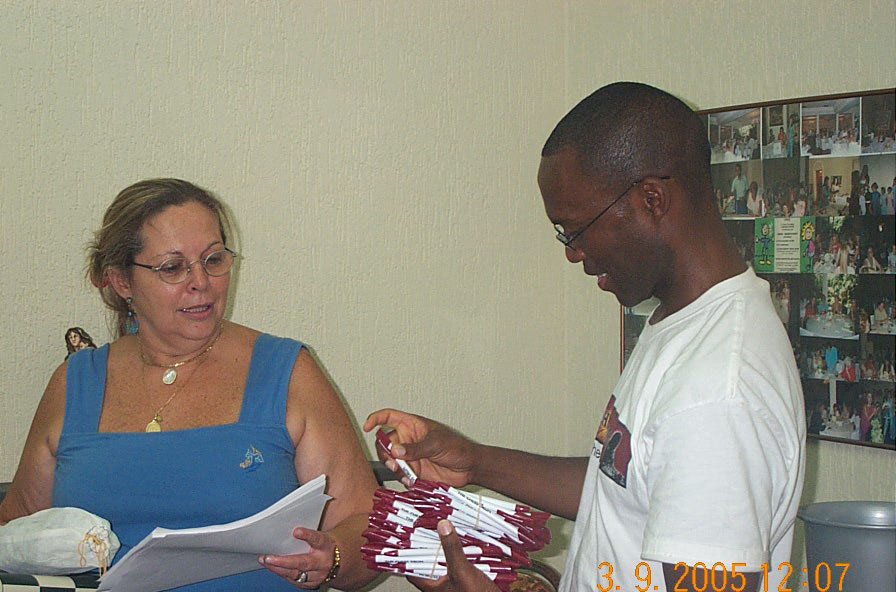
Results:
<point x="187" y="418"/>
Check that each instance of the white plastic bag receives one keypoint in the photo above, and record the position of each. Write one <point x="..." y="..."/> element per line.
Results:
<point x="57" y="541"/>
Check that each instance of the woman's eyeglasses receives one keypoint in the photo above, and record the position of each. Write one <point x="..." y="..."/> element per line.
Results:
<point x="176" y="269"/>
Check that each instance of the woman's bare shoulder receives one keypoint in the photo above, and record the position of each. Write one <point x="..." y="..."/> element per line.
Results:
<point x="241" y="336"/>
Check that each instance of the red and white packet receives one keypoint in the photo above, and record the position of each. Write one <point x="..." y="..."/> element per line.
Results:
<point x="497" y="535"/>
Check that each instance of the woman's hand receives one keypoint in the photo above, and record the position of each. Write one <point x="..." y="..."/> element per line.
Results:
<point x="315" y="564"/>
<point x="434" y="451"/>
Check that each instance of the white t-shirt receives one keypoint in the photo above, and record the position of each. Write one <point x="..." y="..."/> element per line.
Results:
<point x="699" y="456"/>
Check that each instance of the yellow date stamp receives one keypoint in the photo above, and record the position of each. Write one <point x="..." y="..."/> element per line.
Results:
<point x="719" y="577"/>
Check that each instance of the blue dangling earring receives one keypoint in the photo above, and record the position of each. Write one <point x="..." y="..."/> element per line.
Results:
<point x="130" y="324"/>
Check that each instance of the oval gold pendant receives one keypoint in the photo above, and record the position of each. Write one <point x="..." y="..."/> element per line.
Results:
<point x="153" y="426"/>
<point x="169" y="376"/>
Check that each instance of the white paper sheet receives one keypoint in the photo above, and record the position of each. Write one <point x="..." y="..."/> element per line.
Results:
<point x="169" y="558"/>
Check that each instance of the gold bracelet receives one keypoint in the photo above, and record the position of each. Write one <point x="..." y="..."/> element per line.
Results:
<point x="334" y="571"/>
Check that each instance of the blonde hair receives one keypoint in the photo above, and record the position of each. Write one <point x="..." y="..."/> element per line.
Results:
<point x="119" y="239"/>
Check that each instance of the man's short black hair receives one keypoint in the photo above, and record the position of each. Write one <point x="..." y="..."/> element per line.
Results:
<point x="628" y="130"/>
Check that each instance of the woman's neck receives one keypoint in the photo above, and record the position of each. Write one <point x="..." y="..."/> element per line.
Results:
<point x="167" y="352"/>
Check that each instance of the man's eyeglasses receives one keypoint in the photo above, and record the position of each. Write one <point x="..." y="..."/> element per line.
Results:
<point x="176" y="269"/>
<point x="567" y="238"/>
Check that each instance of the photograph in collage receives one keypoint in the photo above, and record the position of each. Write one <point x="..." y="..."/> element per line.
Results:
<point x="780" y="131"/>
<point x="734" y="135"/>
<point x="878" y="123"/>
<point x="830" y="127"/>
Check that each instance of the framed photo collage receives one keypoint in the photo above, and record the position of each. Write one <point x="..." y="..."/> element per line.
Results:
<point x="805" y="187"/>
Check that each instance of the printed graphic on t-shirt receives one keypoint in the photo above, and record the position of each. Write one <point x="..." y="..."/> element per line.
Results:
<point x="616" y="440"/>
<point x="252" y="460"/>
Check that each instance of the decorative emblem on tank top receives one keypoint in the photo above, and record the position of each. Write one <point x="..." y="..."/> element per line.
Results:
<point x="616" y="445"/>
<point x="252" y="460"/>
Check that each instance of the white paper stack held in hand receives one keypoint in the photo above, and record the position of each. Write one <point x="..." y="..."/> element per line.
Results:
<point x="168" y="558"/>
<point x="497" y="535"/>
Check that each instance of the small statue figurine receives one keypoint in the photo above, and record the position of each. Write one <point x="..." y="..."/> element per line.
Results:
<point x="76" y="339"/>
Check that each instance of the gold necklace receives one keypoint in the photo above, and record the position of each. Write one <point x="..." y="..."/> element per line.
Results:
<point x="170" y="375"/>
<point x="155" y="424"/>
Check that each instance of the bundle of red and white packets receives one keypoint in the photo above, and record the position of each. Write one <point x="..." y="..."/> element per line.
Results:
<point x="497" y="535"/>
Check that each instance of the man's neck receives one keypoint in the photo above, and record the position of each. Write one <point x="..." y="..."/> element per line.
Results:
<point x="719" y="261"/>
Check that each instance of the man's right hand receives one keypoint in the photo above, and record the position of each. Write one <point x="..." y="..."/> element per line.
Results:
<point x="462" y="575"/>
<point x="434" y="451"/>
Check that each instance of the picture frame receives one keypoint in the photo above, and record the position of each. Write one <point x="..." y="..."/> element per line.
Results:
<point x="805" y="188"/>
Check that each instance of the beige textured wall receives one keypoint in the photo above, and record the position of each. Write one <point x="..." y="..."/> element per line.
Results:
<point x="380" y="158"/>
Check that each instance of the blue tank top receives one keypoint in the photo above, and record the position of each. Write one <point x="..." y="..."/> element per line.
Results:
<point x="181" y="478"/>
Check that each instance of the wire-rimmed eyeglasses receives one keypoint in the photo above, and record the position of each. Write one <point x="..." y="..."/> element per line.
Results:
<point x="175" y="269"/>
<point x="567" y="238"/>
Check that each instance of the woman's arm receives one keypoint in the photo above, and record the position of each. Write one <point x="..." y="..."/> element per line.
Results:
<point x="32" y="486"/>
<point x="327" y="443"/>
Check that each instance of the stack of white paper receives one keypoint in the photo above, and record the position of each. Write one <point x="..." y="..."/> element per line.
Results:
<point x="169" y="558"/>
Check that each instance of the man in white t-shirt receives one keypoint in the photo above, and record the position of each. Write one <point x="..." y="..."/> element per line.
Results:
<point x="698" y="458"/>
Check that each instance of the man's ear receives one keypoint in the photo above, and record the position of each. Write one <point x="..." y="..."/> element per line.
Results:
<point x="655" y="196"/>
<point x="120" y="282"/>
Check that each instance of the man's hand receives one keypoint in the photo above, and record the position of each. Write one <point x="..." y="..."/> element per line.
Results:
<point x="462" y="576"/>
<point x="434" y="451"/>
